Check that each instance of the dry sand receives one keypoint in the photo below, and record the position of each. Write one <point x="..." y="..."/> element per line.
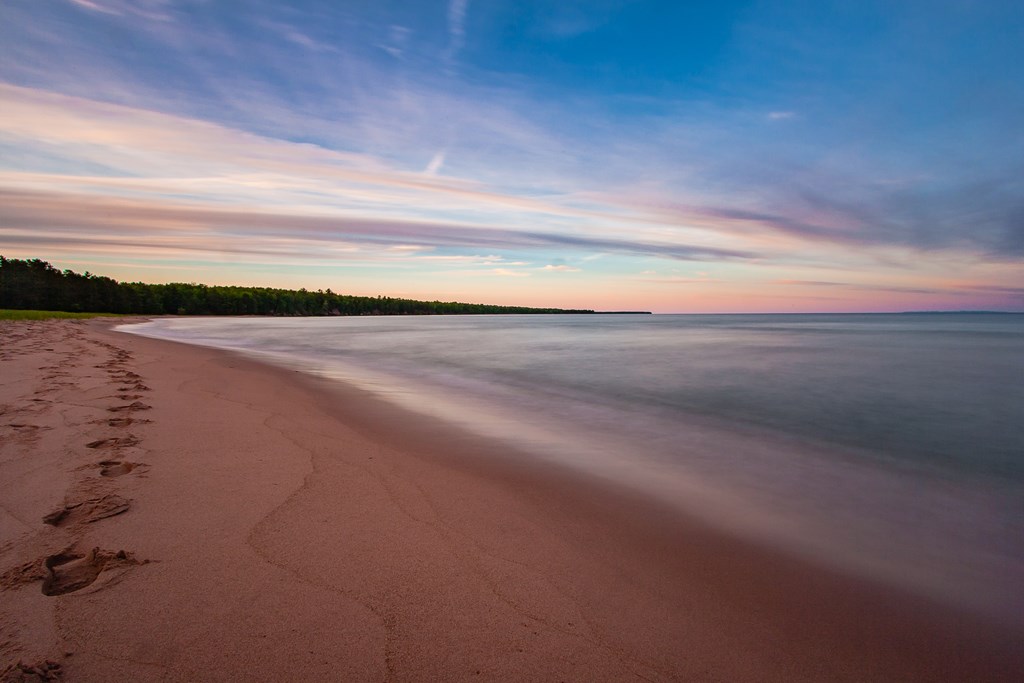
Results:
<point x="176" y="513"/>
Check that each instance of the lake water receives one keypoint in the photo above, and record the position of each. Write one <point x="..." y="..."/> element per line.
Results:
<point x="891" y="445"/>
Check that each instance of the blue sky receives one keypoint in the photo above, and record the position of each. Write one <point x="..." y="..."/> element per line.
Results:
<point x="673" y="156"/>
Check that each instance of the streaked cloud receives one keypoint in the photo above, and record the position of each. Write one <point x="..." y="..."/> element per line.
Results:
<point x="104" y="220"/>
<point x="435" y="164"/>
<point x="89" y="4"/>
<point x="676" y="279"/>
<point x="954" y="289"/>
<point x="456" y="26"/>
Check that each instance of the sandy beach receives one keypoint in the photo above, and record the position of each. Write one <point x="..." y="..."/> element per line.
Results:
<point x="176" y="513"/>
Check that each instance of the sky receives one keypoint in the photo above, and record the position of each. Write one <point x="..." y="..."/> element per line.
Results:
<point x="685" y="157"/>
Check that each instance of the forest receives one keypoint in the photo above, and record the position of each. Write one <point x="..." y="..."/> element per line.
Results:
<point x="37" y="285"/>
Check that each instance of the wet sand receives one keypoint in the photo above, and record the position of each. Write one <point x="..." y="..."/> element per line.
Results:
<point x="176" y="513"/>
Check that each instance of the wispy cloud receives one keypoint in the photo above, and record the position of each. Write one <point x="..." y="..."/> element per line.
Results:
<point x="1018" y="291"/>
<point x="409" y="248"/>
<point x="677" y="280"/>
<point x="94" y="6"/>
<point x="435" y="163"/>
<point x="397" y="40"/>
<point x="171" y="156"/>
<point x="810" y="283"/>
<point x="949" y="290"/>
<point x="118" y="221"/>
<point x="867" y="213"/>
<point x="456" y="27"/>
<point x="135" y="143"/>
<point x="148" y="9"/>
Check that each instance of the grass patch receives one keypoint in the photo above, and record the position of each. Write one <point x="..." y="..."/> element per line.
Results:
<point x="10" y="314"/>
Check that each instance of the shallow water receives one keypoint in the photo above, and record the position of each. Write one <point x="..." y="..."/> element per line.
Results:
<point x="887" y="444"/>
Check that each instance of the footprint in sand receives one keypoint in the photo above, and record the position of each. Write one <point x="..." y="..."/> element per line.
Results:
<point x="114" y="442"/>
<point x="137" y="405"/>
<point x="70" y="571"/>
<point x="21" y="432"/>
<point x="26" y="428"/>
<point x="123" y="421"/>
<point x="116" y="468"/>
<point x="67" y="572"/>
<point x="37" y="671"/>
<point x="88" y="511"/>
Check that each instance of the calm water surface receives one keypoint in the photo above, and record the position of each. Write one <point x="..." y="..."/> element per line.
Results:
<point x="886" y="444"/>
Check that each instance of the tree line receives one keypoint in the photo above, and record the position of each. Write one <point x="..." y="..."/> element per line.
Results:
<point x="34" y="284"/>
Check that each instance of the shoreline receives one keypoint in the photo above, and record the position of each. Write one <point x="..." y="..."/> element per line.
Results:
<point x="830" y="503"/>
<point x="290" y="537"/>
